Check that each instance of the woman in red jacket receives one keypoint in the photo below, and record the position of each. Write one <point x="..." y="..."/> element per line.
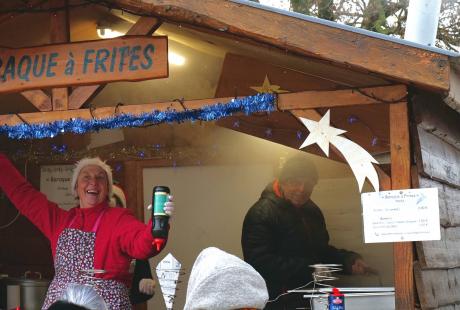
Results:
<point x="91" y="243"/>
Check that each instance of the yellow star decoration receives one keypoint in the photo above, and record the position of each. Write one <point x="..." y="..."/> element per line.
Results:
<point x="268" y="88"/>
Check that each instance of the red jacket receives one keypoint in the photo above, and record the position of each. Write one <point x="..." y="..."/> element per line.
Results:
<point x="120" y="237"/>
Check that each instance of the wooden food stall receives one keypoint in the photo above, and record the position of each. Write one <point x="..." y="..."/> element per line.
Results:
<point x="393" y="98"/>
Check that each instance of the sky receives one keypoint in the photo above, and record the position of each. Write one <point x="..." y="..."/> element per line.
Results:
<point x="281" y="4"/>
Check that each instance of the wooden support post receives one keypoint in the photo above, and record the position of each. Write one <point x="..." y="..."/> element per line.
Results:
<point x="401" y="179"/>
<point x="60" y="98"/>
<point x="60" y="33"/>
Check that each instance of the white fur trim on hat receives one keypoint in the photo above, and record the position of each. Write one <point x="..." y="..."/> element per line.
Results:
<point x="221" y="281"/>
<point x="120" y="194"/>
<point x="95" y="161"/>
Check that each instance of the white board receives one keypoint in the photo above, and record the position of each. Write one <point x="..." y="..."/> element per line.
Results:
<point x="55" y="184"/>
<point x="401" y="215"/>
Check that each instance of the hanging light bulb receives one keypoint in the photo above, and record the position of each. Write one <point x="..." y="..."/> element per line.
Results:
<point x="176" y="59"/>
<point x="105" y="30"/>
<point x="108" y="33"/>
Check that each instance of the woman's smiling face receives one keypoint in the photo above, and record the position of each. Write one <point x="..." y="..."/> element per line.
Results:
<point x="92" y="186"/>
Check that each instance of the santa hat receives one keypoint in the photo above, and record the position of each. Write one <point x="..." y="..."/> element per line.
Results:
<point x="119" y="195"/>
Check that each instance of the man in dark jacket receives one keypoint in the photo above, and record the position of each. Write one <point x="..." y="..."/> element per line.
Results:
<point x="284" y="233"/>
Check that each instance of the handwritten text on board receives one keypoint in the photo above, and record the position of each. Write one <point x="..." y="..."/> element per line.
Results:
<point x="401" y="215"/>
<point x="55" y="184"/>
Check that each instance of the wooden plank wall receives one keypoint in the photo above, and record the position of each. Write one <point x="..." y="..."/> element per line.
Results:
<point x="436" y="136"/>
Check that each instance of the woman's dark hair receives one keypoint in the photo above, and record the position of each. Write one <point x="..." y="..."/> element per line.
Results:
<point x="64" y="305"/>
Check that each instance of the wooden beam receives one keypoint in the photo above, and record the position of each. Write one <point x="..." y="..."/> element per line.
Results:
<point x="194" y="104"/>
<point x="81" y="94"/>
<point x="47" y="117"/>
<point x="401" y="179"/>
<point x="39" y="99"/>
<point x="144" y="26"/>
<point x="346" y="97"/>
<point x="60" y="98"/>
<point x="290" y="33"/>
<point x="60" y="33"/>
<point x="384" y="179"/>
<point x="304" y="101"/>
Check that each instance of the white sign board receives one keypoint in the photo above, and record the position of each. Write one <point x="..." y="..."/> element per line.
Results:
<point x="401" y="215"/>
<point x="55" y="184"/>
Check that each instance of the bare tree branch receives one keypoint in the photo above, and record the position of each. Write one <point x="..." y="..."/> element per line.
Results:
<point x="384" y="16"/>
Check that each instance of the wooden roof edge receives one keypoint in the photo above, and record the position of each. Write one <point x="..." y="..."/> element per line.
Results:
<point x="408" y="64"/>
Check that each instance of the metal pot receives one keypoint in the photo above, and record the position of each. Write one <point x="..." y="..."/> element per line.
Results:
<point x="26" y="292"/>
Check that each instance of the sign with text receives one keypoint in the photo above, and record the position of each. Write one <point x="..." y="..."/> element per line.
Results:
<point x="55" y="183"/>
<point x="130" y="58"/>
<point x="401" y="215"/>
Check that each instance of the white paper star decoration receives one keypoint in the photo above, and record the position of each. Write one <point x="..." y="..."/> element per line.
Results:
<point x="359" y="159"/>
<point x="168" y="271"/>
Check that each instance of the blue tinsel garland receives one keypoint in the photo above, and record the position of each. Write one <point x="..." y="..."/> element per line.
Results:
<point x="247" y="105"/>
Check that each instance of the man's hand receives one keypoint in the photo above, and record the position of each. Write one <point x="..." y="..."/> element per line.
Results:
<point x="360" y="267"/>
<point x="147" y="286"/>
